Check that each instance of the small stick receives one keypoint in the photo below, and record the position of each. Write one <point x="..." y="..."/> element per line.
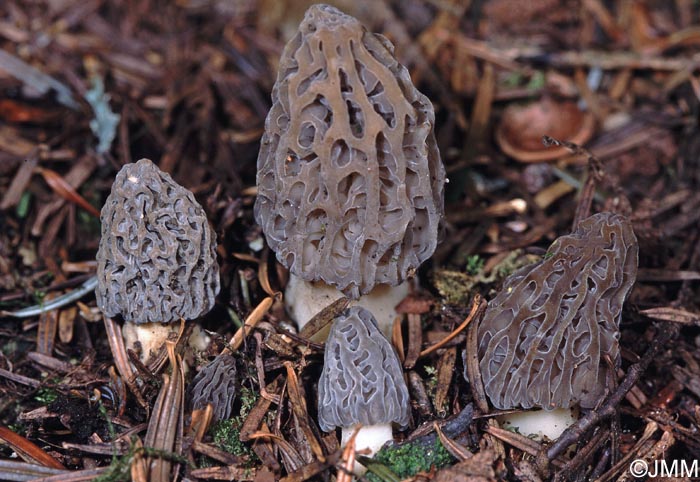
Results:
<point x="478" y="306"/>
<point x="609" y="407"/>
<point x="250" y="322"/>
<point x="121" y="360"/>
<point x="582" y="456"/>
<point x="595" y="175"/>
<point x="87" y="287"/>
<point x="473" y="371"/>
<point x="347" y="461"/>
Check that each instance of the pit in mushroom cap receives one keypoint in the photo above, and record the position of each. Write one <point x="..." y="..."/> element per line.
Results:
<point x="350" y="181"/>
<point x="544" y="338"/>
<point x="362" y="380"/>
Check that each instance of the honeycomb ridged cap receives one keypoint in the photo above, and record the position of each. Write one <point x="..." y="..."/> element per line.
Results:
<point x="350" y="181"/>
<point x="157" y="256"/>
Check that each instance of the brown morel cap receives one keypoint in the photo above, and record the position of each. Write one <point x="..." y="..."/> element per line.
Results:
<point x="544" y="339"/>
<point x="362" y="381"/>
<point x="157" y="256"/>
<point x="350" y="181"/>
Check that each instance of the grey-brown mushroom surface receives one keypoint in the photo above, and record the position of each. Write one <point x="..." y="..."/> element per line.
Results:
<point x="350" y="181"/>
<point x="544" y="339"/>
<point x="216" y="384"/>
<point x="362" y="380"/>
<point x="157" y="256"/>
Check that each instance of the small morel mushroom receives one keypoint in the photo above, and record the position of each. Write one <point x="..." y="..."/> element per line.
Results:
<point x="545" y="338"/>
<point x="362" y="382"/>
<point x="216" y="383"/>
<point x="157" y="261"/>
<point x="350" y="181"/>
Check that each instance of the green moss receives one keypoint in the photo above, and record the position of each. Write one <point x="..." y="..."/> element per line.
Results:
<point x="227" y="433"/>
<point x="18" y="428"/>
<point x="432" y="380"/>
<point x="475" y="264"/>
<point x="23" y="205"/>
<point x="406" y="460"/>
<point x="10" y="348"/>
<point x="537" y="81"/>
<point x="454" y="286"/>
<point x="46" y="396"/>
<point x="248" y="399"/>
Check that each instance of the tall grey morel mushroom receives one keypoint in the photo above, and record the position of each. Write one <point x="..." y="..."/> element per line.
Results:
<point x="350" y="181"/>
<point x="362" y="382"/>
<point x="157" y="261"/>
<point x="545" y="338"/>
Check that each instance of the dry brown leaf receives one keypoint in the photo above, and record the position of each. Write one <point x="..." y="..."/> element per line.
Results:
<point x="121" y="360"/>
<point x="66" y="318"/>
<point x="415" y="340"/>
<point x="457" y="450"/>
<point x="296" y="397"/>
<point x="676" y="315"/>
<point x="445" y="369"/>
<point x="165" y="426"/>
<point x="230" y="472"/>
<point x="20" y="181"/>
<point x="255" y="316"/>
<point x="29" y="451"/>
<point x="479" y="468"/>
<point x="61" y="187"/>
<point x="259" y="411"/>
<point x="519" y="134"/>
<point x="347" y="461"/>
<point x="323" y="318"/>
<point x="46" y="331"/>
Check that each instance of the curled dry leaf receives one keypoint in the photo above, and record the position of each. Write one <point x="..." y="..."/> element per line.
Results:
<point x="520" y="131"/>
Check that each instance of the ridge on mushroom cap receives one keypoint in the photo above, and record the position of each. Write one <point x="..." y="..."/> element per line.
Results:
<point x="157" y="256"/>
<point x="216" y="384"/>
<point x="362" y="381"/>
<point x="544" y="339"/>
<point x="350" y="181"/>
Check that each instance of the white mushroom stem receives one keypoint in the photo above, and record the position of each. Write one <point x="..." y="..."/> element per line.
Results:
<point x="147" y="338"/>
<point x="371" y="437"/>
<point x="304" y="300"/>
<point x="539" y="423"/>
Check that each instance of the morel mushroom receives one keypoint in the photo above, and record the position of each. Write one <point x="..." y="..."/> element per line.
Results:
<point x="545" y="338"/>
<point x="350" y="181"/>
<point x="157" y="261"/>
<point x="362" y="382"/>
<point x="216" y="384"/>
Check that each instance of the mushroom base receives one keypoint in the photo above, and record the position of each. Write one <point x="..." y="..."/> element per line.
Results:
<point x="147" y="338"/>
<point x="305" y="299"/>
<point x="371" y="437"/>
<point x="541" y="423"/>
